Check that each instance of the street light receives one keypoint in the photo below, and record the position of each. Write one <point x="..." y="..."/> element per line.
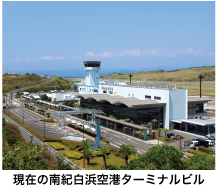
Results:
<point x="159" y="131"/>
<point x="84" y="148"/>
<point x="44" y="124"/>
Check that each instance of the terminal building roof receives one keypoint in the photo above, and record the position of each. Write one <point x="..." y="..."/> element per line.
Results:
<point x="196" y="99"/>
<point x="131" y="102"/>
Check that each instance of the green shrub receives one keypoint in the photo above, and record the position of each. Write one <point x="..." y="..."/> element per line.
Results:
<point x="73" y="155"/>
<point x="47" y="120"/>
<point x="113" y="149"/>
<point x="105" y="140"/>
<point x="117" y="154"/>
<point x="70" y="142"/>
<point x="79" y="148"/>
<point x="199" y="152"/>
<point x="56" y="146"/>
<point x="209" y="151"/>
<point x="72" y="147"/>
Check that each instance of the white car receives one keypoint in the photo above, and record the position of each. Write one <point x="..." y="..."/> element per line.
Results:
<point x="211" y="143"/>
<point x="194" y="144"/>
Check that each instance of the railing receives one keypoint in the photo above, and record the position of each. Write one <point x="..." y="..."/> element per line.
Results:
<point x="139" y="85"/>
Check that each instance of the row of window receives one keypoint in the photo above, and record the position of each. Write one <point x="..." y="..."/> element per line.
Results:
<point x="146" y="96"/>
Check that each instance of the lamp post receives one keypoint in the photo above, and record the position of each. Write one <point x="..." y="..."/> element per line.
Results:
<point x="84" y="149"/>
<point x="200" y="77"/>
<point x="44" y="124"/>
<point x="159" y="131"/>
<point x="130" y="78"/>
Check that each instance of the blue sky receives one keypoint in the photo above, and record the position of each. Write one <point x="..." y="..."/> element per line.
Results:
<point x="130" y="35"/>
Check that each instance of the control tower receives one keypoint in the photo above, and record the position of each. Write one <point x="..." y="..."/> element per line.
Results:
<point x="91" y="83"/>
<point x="92" y="73"/>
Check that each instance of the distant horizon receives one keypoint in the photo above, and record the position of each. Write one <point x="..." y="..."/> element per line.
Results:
<point x="104" y="72"/>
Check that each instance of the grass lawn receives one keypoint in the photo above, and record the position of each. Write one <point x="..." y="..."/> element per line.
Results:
<point x="195" y="90"/>
<point x="96" y="163"/>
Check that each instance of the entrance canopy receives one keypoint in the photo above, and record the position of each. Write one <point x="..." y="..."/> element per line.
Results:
<point x="122" y="122"/>
<point x="195" y="122"/>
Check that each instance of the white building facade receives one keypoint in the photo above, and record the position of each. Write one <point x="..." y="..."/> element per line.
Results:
<point x="175" y="100"/>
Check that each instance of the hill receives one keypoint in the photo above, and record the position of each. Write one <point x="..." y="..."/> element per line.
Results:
<point x="190" y="74"/>
<point x="12" y="82"/>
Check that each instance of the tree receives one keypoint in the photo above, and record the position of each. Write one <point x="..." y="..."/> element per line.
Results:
<point x="165" y="131"/>
<point x="126" y="151"/>
<point x="104" y="151"/>
<point x="158" y="157"/>
<point x="27" y="73"/>
<point x="88" y="152"/>
<point x="85" y="144"/>
<point x="154" y="121"/>
<point x="149" y="124"/>
<point x="159" y="130"/>
<point x="48" y="114"/>
<point x="44" y="97"/>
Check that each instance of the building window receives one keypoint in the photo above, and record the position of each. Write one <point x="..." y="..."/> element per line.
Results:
<point x="104" y="91"/>
<point x="148" y="97"/>
<point x="95" y="90"/>
<point x="115" y="93"/>
<point x="128" y="94"/>
<point x="80" y="88"/>
<point x="156" y="97"/>
<point x="110" y="92"/>
<point x="132" y="95"/>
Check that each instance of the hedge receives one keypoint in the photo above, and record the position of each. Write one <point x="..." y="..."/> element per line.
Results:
<point x="73" y="154"/>
<point x="57" y="146"/>
<point x="47" y="120"/>
<point x="208" y="151"/>
<point x="113" y="149"/>
<point x="72" y="147"/>
<point x="199" y="152"/>
<point x="105" y="140"/>
<point x="70" y="142"/>
<point x="98" y="154"/>
<point x="37" y="134"/>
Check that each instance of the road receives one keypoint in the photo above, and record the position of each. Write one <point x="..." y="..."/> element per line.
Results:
<point x="115" y="138"/>
<point x="26" y="134"/>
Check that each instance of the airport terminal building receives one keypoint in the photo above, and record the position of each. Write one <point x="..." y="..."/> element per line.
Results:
<point x="140" y="102"/>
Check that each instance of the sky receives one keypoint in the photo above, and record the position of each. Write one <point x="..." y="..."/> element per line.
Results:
<point x="123" y="35"/>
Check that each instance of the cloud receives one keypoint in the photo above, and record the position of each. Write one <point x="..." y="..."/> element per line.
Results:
<point x="47" y="57"/>
<point x="17" y="59"/>
<point x="151" y="52"/>
<point x="135" y="52"/>
<point x="103" y="54"/>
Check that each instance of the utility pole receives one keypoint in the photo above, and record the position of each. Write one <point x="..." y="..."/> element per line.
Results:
<point x="44" y="124"/>
<point x="200" y="77"/>
<point x="23" y="113"/>
<point x="130" y="78"/>
<point x="84" y="148"/>
<point x="159" y="132"/>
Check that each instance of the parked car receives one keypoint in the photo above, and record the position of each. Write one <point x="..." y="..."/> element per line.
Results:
<point x="170" y="134"/>
<point x="210" y="142"/>
<point x="177" y="137"/>
<point x="194" y="144"/>
<point x="210" y="135"/>
<point x="211" y="138"/>
<point x="204" y="143"/>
